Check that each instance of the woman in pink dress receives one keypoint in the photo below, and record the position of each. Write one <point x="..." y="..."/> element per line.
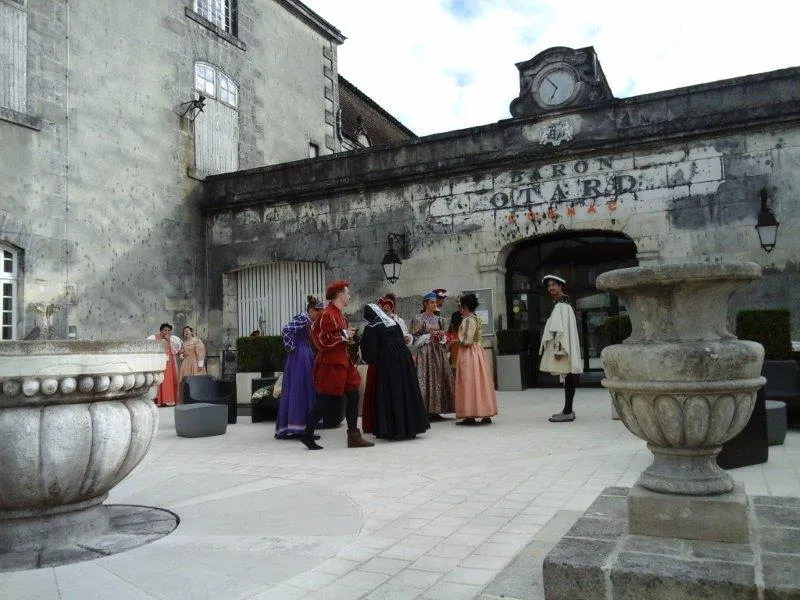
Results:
<point x="193" y="355"/>
<point x="475" y="397"/>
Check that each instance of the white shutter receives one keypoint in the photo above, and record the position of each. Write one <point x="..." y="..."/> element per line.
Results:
<point x="216" y="138"/>
<point x="13" y="57"/>
<point x="269" y="295"/>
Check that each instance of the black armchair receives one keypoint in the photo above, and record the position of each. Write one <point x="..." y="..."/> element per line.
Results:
<point x="204" y="388"/>
<point x="783" y="383"/>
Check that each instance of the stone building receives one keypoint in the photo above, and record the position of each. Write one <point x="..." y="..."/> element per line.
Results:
<point x="123" y="204"/>
<point x="111" y="115"/>
<point x="577" y="182"/>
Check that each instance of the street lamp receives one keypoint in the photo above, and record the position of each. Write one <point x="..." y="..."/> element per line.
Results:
<point x="767" y="225"/>
<point x="391" y="262"/>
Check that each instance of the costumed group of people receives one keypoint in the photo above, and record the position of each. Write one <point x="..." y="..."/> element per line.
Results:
<point x="403" y="391"/>
<point x="415" y="374"/>
<point x="192" y="353"/>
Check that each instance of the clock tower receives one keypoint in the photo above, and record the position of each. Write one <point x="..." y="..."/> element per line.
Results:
<point x="559" y="78"/>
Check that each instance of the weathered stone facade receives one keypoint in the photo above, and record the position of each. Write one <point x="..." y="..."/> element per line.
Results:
<point x="98" y="193"/>
<point x="678" y="172"/>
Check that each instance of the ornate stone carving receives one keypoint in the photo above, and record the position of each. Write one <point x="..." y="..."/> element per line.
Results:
<point x="682" y="381"/>
<point x="75" y="419"/>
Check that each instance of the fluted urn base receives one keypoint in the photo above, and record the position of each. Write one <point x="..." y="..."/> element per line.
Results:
<point x="685" y="471"/>
<point x="54" y="527"/>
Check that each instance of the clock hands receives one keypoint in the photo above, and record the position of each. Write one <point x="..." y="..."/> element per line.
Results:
<point x="555" y="87"/>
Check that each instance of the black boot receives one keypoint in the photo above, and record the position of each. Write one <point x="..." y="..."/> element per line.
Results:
<point x="308" y="441"/>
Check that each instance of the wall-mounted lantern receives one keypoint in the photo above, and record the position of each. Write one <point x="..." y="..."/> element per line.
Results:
<point x="767" y="225"/>
<point x="192" y="108"/>
<point x="391" y="262"/>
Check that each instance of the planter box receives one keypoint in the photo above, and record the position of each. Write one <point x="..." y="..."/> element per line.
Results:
<point x="510" y="373"/>
<point x="244" y="386"/>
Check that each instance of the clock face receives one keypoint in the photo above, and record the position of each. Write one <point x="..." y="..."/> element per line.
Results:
<point x="556" y="87"/>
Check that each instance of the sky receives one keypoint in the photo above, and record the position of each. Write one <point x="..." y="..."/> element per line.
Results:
<point x="440" y="65"/>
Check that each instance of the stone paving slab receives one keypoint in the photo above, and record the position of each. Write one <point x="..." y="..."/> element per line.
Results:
<point x="440" y="517"/>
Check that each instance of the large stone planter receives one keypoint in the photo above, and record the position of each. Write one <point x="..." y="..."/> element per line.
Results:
<point x="681" y="381"/>
<point x="74" y="421"/>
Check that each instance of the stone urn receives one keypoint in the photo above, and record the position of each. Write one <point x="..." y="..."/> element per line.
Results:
<point x="682" y="382"/>
<point x="74" y="421"/>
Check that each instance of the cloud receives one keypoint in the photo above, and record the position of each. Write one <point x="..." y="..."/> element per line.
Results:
<point x="439" y="65"/>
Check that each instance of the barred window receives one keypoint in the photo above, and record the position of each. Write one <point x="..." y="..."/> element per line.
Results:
<point x="221" y="13"/>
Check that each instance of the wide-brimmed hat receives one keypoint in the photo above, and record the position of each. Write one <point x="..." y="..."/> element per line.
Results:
<point x="554" y="278"/>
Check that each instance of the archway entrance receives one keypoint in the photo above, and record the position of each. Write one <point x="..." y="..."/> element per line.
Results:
<point x="578" y="257"/>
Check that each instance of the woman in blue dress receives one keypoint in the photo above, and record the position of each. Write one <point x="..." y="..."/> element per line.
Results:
<point x="297" y="392"/>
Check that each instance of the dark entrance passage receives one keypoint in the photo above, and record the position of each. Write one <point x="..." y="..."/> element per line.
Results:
<point x="578" y="257"/>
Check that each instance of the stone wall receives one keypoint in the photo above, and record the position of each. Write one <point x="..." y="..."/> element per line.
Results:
<point x="97" y="187"/>
<point x="678" y="172"/>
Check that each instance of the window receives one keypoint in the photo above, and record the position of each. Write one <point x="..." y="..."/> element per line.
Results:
<point x="221" y="13"/>
<point x="13" y="55"/>
<point x="216" y="128"/>
<point x="205" y="80"/>
<point x="228" y="90"/>
<point x="213" y="83"/>
<point x="313" y="150"/>
<point x="9" y="272"/>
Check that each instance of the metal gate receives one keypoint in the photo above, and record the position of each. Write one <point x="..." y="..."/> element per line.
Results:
<point x="269" y="295"/>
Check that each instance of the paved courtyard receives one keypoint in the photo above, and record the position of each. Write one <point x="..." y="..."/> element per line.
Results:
<point x="458" y="513"/>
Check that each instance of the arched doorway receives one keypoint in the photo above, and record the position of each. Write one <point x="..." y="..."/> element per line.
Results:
<point x="579" y="257"/>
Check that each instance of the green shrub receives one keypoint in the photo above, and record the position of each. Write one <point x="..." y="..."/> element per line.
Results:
<point x="260" y="354"/>
<point x="770" y="328"/>
<point x="618" y="329"/>
<point x="512" y="341"/>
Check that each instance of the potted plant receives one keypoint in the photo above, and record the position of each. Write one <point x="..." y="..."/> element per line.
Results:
<point x="512" y="344"/>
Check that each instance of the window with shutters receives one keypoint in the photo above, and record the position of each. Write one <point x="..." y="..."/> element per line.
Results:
<point x="216" y="128"/>
<point x="269" y="295"/>
<point x="9" y="284"/>
<point x="13" y="55"/>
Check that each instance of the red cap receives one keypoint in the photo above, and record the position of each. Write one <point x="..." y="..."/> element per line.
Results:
<point x="386" y="304"/>
<point x="334" y="288"/>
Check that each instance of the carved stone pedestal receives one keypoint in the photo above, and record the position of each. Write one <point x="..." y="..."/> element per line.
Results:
<point x="718" y="518"/>
<point x="601" y="559"/>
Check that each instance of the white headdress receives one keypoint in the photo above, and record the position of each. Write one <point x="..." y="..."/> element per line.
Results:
<point x="385" y="319"/>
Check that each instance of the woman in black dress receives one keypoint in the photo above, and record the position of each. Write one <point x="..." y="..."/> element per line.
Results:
<point x="398" y="409"/>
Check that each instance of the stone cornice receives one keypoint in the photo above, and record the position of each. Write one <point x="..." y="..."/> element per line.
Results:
<point x="755" y="102"/>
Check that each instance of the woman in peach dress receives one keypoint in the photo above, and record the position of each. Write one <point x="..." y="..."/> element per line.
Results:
<point x="193" y="355"/>
<point x="475" y="397"/>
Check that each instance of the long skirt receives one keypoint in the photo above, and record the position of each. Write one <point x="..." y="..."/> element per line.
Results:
<point x="367" y="409"/>
<point x="297" y="393"/>
<point x="435" y="378"/>
<point x="167" y="394"/>
<point x="475" y="397"/>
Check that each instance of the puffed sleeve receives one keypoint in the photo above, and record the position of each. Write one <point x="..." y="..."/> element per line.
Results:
<point x="290" y="331"/>
<point x="329" y="333"/>
<point x="467" y="331"/>
<point x="201" y="353"/>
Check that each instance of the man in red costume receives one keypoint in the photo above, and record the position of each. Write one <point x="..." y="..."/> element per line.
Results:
<point x="335" y="375"/>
